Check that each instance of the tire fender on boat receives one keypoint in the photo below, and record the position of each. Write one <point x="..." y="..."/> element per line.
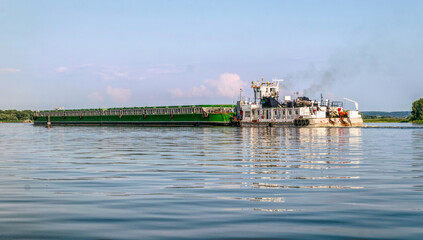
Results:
<point x="307" y="122"/>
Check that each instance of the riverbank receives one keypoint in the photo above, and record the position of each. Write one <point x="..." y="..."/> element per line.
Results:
<point x="16" y="121"/>
<point x="387" y="120"/>
<point x="390" y="120"/>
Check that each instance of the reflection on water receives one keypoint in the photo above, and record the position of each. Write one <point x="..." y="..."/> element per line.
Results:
<point x="220" y="182"/>
<point x="417" y="164"/>
<point x="277" y="152"/>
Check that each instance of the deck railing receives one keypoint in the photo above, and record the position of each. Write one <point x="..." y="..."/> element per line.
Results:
<point x="140" y="111"/>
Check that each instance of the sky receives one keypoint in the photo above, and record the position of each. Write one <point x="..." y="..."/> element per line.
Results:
<point x="89" y="54"/>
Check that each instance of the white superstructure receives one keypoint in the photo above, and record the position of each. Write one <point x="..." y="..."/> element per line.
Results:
<point x="301" y="111"/>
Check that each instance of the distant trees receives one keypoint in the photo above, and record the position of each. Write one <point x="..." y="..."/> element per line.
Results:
<point x="15" y="115"/>
<point x="417" y="110"/>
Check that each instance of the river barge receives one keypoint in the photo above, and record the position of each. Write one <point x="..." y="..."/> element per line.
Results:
<point x="195" y="115"/>
<point x="268" y="110"/>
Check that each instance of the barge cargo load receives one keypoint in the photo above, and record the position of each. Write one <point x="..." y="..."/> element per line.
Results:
<point x="195" y="115"/>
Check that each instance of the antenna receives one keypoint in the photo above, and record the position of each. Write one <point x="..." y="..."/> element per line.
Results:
<point x="240" y="94"/>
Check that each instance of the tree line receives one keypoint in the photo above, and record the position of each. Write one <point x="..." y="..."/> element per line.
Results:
<point x="417" y="111"/>
<point x="416" y="115"/>
<point x="15" y="115"/>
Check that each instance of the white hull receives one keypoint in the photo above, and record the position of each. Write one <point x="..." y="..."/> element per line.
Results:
<point x="318" y="122"/>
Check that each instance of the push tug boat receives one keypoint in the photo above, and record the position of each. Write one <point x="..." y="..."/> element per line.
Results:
<point x="300" y="112"/>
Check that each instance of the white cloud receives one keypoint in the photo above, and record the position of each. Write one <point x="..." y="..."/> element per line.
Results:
<point x="85" y="65"/>
<point x="95" y="97"/>
<point x="62" y="69"/>
<point x="227" y="86"/>
<point x="10" y="70"/>
<point x="106" y="77"/>
<point x="201" y="91"/>
<point x="119" y="95"/>
<point x="109" y="74"/>
<point x="121" y="74"/>
<point x="196" y="91"/>
<point x="177" y="93"/>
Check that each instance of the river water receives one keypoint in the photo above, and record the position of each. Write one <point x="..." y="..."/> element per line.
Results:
<point x="215" y="182"/>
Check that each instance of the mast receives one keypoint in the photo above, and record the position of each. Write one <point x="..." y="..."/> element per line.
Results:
<point x="277" y="86"/>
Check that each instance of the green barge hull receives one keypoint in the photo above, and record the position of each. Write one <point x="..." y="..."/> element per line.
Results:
<point x="197" y="115"/>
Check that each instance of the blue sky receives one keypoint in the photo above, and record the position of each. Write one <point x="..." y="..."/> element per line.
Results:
<point x="81" y="54"/>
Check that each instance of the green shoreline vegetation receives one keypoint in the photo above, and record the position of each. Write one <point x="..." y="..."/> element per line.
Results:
<point x="416" y="115"/>
<point x="16" y="116"/>
<point x="385" y="119"/>
<point x="390" y="120"/>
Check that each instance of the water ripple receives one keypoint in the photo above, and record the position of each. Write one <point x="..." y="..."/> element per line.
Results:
<point x="123" y="183"/>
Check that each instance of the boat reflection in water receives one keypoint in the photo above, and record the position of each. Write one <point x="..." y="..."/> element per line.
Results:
<point x="273" y="164"/>
<point x="302" y="158"/>
<point x="417" y="165"/>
